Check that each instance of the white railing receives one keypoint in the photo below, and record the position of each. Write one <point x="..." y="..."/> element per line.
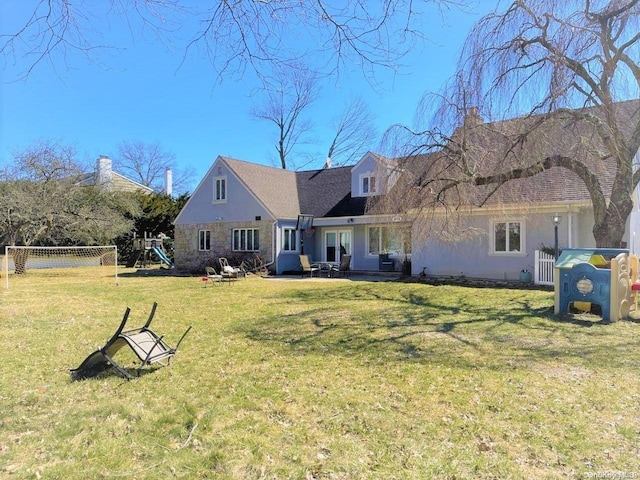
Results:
<point x="543" y="269"/>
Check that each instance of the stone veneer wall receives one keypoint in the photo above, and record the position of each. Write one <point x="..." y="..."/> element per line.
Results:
<point x="187" y="256"/>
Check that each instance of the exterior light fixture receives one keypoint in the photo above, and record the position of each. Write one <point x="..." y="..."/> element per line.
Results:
<point x="556" y="219"/>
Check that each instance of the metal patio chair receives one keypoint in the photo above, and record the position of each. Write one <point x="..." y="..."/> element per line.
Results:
<point x="229" y="272"/>
<point x="146" y="344"/>
<point x="212" y="276"/>
<point x="308" y="267"/>
<point x="343" y="269"/>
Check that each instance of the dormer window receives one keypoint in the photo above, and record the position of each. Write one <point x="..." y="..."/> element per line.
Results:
<point x="220" y="189"/>
<point x="368" y="184"/>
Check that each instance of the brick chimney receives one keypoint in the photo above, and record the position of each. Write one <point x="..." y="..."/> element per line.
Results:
<point x="472" y="119"/>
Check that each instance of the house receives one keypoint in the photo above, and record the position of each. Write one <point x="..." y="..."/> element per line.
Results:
<point x="246" y="208"/>
<point x="495" y="232"/>
<point x="371" y="210"/>
<point x="109" y="179"/>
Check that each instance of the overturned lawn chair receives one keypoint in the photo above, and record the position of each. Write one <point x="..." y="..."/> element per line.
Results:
<point x="148" y="347"/>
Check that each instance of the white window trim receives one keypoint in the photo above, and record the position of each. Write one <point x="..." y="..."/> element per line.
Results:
<point x="367" y="242"/>
<point x="368" y="175"/>
<point x="215" y="189"/>
<point x="296" y="246"/>
<point x="523" y="238"/>
<point x="200" y="232"/>
<point x="337" y="233"/>
<point x="254" y="229"/>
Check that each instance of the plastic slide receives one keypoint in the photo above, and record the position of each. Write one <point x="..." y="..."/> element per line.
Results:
<point x="162" y="256"/>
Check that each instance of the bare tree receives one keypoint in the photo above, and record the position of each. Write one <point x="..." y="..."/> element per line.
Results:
<point x="286" y="101"/>
<point x="46" y="201"/>
<point x="565" y="67"/>
<point x="354" y="133"/>
<point x="234" y="35"/>
<point x="147" y="163"/>
<point x="55" y="29"/>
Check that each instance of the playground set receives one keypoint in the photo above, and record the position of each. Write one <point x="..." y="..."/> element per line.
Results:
<point x="145" y="248"/>
<point x="597" y="277"/>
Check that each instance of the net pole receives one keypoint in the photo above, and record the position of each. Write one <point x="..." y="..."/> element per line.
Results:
<point x="51" y="251"/>
<point x="6" y="265"/>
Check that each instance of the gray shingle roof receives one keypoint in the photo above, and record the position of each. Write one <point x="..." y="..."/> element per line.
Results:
<point x="327" y="192"/>
<point x="320" y="191"/>
<point x="286" y="194"/>
<point x="276" y="188"/>
<point x="490" y="150"/>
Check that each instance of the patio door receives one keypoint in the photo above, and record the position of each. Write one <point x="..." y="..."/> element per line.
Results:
<point x="336" y="244"/>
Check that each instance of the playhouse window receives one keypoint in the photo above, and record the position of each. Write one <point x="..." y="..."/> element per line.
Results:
<point x="204" y="240"/>
<point x="507" y="237"/>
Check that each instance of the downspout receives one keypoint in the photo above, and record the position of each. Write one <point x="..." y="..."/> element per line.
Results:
<point x="274" y="239"/>
<point x="570" y="229"/>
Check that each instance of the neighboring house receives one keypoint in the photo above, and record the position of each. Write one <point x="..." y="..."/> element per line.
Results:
<point x="245" y="208"/>
<point x="107" y="178"/>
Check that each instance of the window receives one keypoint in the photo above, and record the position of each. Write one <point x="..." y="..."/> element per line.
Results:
<point x="507" y="237"/>
<point x="389" y="239"/>
<point x="220" y="189"/>
<point x="368" y="184"/>
<point x="204" y="240"/>
<point x="289" y="240"/>
<point x="246" y="240"/>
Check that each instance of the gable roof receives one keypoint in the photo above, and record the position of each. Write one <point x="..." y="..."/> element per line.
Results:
<point x="286" y="193"/>
<point x="274" y="187"/>
<point x="119" y="183"/>
<point x="490" y="148"/>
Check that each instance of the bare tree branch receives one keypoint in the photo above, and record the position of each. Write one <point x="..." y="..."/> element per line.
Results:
<point x="562" y="72"/>
<point x="354" y="133"/>
<point x="147" y="164"/>
<point x="45" y="201"/>
<point x="233" y="35"/>
<point x="286" y="101"/>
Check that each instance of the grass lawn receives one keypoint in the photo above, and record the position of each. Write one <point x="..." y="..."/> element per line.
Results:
<point x="308" y="379"/>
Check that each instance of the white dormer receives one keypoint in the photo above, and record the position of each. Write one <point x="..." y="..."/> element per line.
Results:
<point x="372" y="175"/>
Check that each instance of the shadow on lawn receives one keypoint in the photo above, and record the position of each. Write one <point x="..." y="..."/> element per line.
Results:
<point x="439" y="327"/>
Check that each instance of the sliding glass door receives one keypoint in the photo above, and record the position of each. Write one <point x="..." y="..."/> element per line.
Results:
<point x="336" y="244"/>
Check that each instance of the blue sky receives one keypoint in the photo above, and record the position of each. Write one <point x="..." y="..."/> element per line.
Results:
<point x="142" y="91"/>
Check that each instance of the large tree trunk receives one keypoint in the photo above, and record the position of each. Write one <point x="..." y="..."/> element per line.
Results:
<point x="20" y="258"/>
<point x="609" y="230"/>
<point x="610" y="218"/>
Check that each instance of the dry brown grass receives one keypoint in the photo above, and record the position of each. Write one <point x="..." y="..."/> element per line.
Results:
<point x="299" y="379"/>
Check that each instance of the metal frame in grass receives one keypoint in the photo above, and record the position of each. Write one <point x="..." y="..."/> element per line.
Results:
<point x="146" y="344"/>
